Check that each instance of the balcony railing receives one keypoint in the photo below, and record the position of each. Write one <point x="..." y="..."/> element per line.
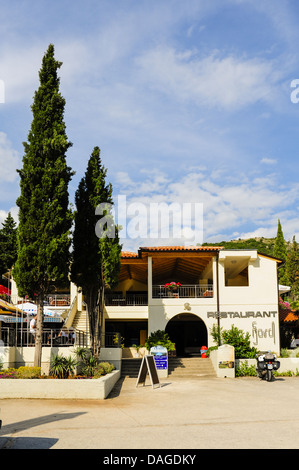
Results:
<point x="10" y="336"/>
<point x="185" y="291"/>
<point x="58" y="300"/>
<point x="117" y="299"/>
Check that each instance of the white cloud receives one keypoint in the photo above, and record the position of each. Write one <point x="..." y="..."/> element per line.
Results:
<point x="226" y="82"/>
<point x="9" y="159"/>
<point x="269" y="161"/>
<point x="227" y="209"/>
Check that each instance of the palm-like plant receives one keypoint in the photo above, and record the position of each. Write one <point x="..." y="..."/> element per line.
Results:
<point x="62" y="367"/>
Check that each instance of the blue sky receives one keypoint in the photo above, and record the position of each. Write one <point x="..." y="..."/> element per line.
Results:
<point x="188" y="101"/>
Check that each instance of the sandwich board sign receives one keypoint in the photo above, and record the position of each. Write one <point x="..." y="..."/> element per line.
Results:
<point x="148" y="366"/>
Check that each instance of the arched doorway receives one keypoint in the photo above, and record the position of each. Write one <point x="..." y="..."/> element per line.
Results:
<point x="188" y="332"/>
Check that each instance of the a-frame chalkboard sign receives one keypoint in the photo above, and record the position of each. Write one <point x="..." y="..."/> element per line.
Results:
<point x="148" y="365"/>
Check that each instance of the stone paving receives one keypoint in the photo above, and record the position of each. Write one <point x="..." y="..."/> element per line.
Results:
<point x="243" y="413"/>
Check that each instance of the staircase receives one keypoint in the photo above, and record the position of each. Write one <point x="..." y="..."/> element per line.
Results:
<point x="190" y="367"/>
<point x="80" y="321"/>
<point x="177" y="367"/>
<point x="130" y="367"/>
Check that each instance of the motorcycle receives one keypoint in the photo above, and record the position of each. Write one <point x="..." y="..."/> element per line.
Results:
<point x="266" y="363"/>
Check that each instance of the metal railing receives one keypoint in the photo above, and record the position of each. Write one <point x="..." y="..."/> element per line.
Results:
<point x="184" y="291"/>
<point x="52" y="300"/>
<point x="55" y="338"/>
<point x="50" y="337"/>
<point x="117" y="299"/>
<point x="58" y="300"/>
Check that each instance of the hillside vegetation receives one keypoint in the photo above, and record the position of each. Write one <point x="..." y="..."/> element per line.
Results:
<point x="261" y="244"/>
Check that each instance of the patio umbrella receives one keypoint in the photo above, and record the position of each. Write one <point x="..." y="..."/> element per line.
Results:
<point x="31" y="309"/>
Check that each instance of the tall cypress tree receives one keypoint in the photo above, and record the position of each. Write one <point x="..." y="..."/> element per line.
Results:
<point x="8" y="244"/>
<point x="280" y="251"/>
<point x="96" y="260"/>
<point x="292" y="269"/>
<point x="44" y="215"/>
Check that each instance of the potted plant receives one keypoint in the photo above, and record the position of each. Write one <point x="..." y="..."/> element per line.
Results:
<point x="137" y="348"/>
<point x="172" y="287"/>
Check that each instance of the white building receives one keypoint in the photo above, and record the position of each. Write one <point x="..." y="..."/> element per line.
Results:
<point x="241" y="285"/>
<point x="217" y="286"/>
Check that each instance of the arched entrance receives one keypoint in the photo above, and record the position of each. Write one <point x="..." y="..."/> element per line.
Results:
<point x="188" y="332"/>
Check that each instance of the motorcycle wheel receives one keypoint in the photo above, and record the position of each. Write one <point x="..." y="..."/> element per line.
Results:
<point x="269" y="375"/>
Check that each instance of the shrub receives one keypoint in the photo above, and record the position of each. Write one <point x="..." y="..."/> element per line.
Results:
<point x="90" y="365"/>
<point x="245" y="370"/>
<point x="62" y="367"/>
<point x="237" y="338"/>
<point x="26" y="372"/>
<point x="284" y="353"/>
<point x="159" y="337"/>
<point x="99" y="372"/>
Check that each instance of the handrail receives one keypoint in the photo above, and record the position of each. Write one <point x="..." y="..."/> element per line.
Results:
<point x="184" y="291"/>
<point x="74" y="302"/>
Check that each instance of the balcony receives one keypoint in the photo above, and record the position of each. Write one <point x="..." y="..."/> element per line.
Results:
<point x="183" y="292"/>
<point x="117" y="299"/>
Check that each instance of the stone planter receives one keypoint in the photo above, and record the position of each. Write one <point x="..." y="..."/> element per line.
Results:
<point x="87" y="389"/>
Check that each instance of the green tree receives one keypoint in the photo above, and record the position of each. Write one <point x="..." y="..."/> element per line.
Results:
<point x="280" y="251"/>
<point x="96" y="256"/>
<point x="292" y="269"/>
<point x="45" y="218"/>
<point x="8" y="244"/>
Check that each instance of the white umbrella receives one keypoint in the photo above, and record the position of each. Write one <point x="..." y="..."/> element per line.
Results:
<point x="31" y="309"/>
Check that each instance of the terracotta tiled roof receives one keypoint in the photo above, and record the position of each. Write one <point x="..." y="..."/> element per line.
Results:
<point x="129" y="254"/>
<point x="161" y="249"/>
<point x="288" y="316"/>
<point x="181" y="248"/>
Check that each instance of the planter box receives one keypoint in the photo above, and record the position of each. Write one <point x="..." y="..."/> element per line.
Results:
<point x="17" y="356"/>
<point x="59" y="388"/>
<point x="286" y="363"/>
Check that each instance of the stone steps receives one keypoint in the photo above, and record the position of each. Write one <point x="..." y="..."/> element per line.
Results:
<point x="177" y="367"/>
<point x="130" y="367"/>
<point x="188" y="367"/>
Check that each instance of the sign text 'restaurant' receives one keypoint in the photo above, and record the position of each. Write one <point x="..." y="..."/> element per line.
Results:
<point x="258" y="314"/>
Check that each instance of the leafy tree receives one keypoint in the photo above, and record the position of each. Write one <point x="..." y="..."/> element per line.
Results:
<point x="8" y="244"/>
<point x="44" y="215"/>
<point x="96" y="257"/>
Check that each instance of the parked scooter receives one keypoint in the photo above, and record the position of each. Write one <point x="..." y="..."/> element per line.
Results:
<point x="266" y="363"/>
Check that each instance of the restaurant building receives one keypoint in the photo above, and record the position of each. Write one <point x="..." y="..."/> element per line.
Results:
<point x="214" y="286"/>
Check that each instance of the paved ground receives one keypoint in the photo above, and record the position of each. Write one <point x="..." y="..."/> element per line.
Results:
<point x="243" y="413"/>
